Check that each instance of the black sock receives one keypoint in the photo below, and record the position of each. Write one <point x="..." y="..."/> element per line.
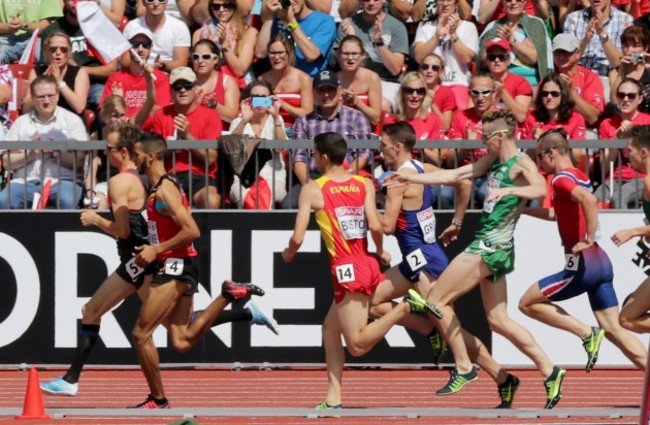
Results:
<point x="227" y="316"/>
<point x="87" y="338"/>
<point x="159" y="401"/>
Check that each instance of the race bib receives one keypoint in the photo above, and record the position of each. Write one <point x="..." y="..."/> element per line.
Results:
<point x="133" y="269"/>
<point x="352" y="222"/>
<point x="571" y="262"/>
<point x="416" y="259"/>
<point x="174" y="266"/>
<point x="427" y="222"/>
<point x="492" y="183"/>
<point x="152" y="227"/>
<point x="345" y="273"/>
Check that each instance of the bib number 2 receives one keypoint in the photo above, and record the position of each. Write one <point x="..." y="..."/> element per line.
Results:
<point x="345" y="273"/>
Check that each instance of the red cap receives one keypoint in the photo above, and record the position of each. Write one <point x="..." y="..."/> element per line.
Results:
<point x="500" y="42"/>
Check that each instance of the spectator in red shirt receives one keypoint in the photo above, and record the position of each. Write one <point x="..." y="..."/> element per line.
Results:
<point x="187" y="119"/>
<point x="131" y="79"/>
<point x="512" y="92"/>
<point x="636" y="43"/>
<point x="585" y="86"/>
<point x="625" y="189"/>
<point x="432" y="68"/>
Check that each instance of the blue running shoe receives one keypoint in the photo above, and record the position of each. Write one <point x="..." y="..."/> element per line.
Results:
<point x="261" y="318"/>
<point x="59" y="386"/>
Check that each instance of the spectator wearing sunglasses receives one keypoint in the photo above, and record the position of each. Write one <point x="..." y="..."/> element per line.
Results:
<point x="131" y="81"/>
<point x="626" y="186"/>
<point x="512" y="92"/>
<point x="636" y="43"/>
<point x="384" y="39"/>
<point x="73" y="80"/>
<point x="361" y="87"/>
<point x="187" y="119"/>
<point x="454" y="39"/>
<point x="181" y="10"/>
<point x="218" y="90"/>
<point x="171" y="37"/>
<point x="585" y="86"/>
<point x="226" y="28"/>
<point x="529" y="44"/>
<point x="80" y="56"/>
<point x="432" y="69"/>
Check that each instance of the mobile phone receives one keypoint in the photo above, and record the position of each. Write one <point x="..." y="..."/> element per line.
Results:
<point x="637" y="57"/>
<point x="261" y="102"/>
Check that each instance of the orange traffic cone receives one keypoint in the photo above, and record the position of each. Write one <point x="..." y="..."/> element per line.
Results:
<point x="33" y="408"/>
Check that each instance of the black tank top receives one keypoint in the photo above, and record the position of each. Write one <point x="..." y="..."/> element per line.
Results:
<point x="138" y="231"/>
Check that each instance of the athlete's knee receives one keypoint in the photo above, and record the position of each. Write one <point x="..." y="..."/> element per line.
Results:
<point x="375" y="312"/>
<point x="499" y="324"/>
<point x="141" y="336"/>
<point x="357" y="350"/>
<point x="525" y="307"/>
<point x="626" y="321"/>
<point x="181" y="345"/>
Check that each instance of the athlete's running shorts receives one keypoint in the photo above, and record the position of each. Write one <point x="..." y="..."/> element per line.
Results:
<point x="427" y="257"/>
<point x="184" y="269"/>
<point x="589" y="272"/>
<point x="131" y="272"/>
<point x="499" y="259"/>
<point x="355" y="274"/>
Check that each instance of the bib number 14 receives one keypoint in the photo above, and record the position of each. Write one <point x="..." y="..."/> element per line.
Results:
<point x="345" y="273"/>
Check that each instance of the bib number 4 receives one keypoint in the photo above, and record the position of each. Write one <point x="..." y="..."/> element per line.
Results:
<point x="174" y="266"/>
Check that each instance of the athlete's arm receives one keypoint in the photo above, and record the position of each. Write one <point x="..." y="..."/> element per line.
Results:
<point x="476" y="169"/>
<point x="526" y="170"/>
<point x="375" y="224"/>
<point x="302" y="220"/>
<point x="589" y="205"/>
<point x="541" y="213"/>
<point x="118" y="190"/>
<point x="394" y="198"/>
<point x="169" y="194"/>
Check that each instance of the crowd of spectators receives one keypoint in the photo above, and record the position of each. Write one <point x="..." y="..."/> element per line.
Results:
<point x="291" y="69"/>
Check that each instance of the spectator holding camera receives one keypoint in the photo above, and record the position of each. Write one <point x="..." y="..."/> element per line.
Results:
<point x="635" y="41"/>
<point x="311" y="31"/>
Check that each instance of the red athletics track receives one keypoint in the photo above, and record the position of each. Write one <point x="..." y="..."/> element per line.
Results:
<point x="281" y="396"/>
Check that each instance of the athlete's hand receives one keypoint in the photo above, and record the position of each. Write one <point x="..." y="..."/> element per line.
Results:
<point x="396" y="180"/>
<point x="88" y="218"/>
<point x="581" y="246"/>
<point x="496" y="194"/>
<point x="146" y="255"/>
<point x="450" y="234"/>
<point x="287" y="256"/>
<point x="384" y="257"/>
<point x="622" y="236"/>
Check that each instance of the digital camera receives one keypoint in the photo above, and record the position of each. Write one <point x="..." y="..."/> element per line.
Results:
<point x="261" y="102"/>
<point x="286" y="4"/>
<point x="637" y="57"/>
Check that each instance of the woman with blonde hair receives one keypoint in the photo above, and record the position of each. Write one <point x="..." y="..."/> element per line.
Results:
<point x="226" y="28"/>
<point x="291" y="86"/>
<point x="432" y="69"/>
<point x="73" y="80"/>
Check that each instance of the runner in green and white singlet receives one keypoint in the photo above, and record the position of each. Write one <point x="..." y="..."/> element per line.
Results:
<point x="513" y="179"/>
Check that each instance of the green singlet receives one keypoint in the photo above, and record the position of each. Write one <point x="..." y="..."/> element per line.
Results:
<point x="495" y="239"/>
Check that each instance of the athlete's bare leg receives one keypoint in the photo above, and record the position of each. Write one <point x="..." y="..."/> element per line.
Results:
<point x="112" y="291"/>
<point x="634" y="314"/>
<point x="628" y="343"/>
<point x="334" y="356"/>
<point x="495" y="302"/>
<point x="183" y="336"/>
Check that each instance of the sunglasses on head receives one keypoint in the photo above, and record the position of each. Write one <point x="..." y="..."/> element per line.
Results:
<point x="503" y="57"/>
<point x="426" y="66"/>
<point x="553" y="93"/>
<point x="145" y="44"/>
<point x="64" y="49"/>
<point x="421" y="91"/>
<point x="205" y="57"/>
<point x="224" y="6"/>
<point x="180" y="85"/>
<point x="475" y="92"/>
<point x="631" y="96"/>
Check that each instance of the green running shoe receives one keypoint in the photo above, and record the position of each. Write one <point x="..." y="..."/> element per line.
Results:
<point x="553" y="387"/>
<point x="420" y="305"/>
<point x="592" y="346"/>
<point x="507" y="391"/>
<point x="326" y="406"/>
<point x="438" y="345"/>
<point x="457" y="381"/>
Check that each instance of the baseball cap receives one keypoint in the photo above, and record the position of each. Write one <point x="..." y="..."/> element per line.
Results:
<point x="566" y="41"/>
<point x="132" y="30"/>
<point x="498" y="42"/>
<point x="182" y="73"/>
<point x="326" y="78"/>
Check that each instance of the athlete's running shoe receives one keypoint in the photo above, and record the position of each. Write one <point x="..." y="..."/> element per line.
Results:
<point x="236" y="291"/>
<point x="261" y="318"/>
<point x="420" y="305"/>
<point x="59" y="386"/>
<point x="592" y="346"/>
<point x="326" y="406"/>
<point x="553" y="385"/>
<point x="457" y="381"/>
<point x="438" y="345"/>
<point x="507" y="391"/>
<point x="152" y="403"/>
